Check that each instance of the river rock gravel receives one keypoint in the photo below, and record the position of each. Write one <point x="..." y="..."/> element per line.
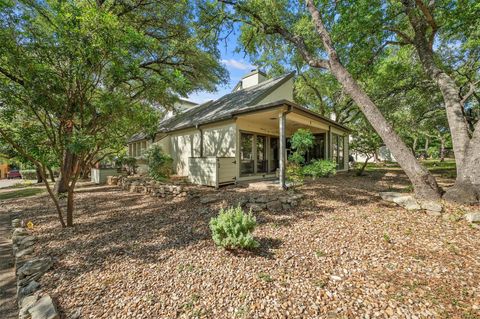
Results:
<point x="342" y="253"/>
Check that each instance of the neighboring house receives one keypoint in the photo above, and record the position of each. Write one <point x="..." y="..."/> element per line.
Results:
<point x="383" y="155"/>
<point x="4" y="167"/>
<point x="244" y="135"/>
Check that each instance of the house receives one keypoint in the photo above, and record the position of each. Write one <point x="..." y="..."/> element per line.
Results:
<point x="244" y="135"/>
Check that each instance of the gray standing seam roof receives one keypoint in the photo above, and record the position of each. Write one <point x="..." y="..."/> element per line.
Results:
<point x="225" y="107"/>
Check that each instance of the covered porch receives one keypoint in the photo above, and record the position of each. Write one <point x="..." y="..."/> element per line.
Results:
<point x="263" y="141"/>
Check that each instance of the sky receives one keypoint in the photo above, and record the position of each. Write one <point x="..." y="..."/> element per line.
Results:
<point x="237" y="65"/>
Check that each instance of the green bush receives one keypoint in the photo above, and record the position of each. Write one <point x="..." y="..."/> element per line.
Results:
<point x="433" y="152"/>
<point x="159" y="163"/>
<point x="320" y="168"/>
<point x="294" y="174"/>
<point x="296" y="158"/>
<point x="233" y="228"/>
<point x="28" y="173"/>
<point x="302" y="140"/>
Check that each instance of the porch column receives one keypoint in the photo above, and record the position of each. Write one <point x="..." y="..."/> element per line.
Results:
<point x="282" y="150"/>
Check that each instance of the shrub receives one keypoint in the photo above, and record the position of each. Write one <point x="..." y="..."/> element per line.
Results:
<point x="296" y="158"/>
<point x="233" y="228"/>
<point x="159" y="163"/>
<point x="28" y="173"/>
<point x="320" y="168"/>
<point x="294" y="174"/>
<point x="130" y="164"/>
<point x="433" y="152"/>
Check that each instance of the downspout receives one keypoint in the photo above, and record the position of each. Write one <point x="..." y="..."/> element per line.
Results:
<point x="330" y="149"/>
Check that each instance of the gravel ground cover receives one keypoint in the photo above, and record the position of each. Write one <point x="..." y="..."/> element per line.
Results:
<point x="344" y="253"/>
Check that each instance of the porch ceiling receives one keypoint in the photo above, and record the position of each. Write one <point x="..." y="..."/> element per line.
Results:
<point x="267" y="122"/>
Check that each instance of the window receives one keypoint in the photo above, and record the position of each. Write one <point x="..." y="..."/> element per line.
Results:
<point x="261" y="155"/>
<point x="246" y="154"/>
<point x="337" y="150"/>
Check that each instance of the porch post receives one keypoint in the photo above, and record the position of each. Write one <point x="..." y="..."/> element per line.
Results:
<point x="282" y="142"/>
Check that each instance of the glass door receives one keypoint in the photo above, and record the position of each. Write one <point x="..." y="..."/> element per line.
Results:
<point x="261" y="154"/>
<point x="246" y="154"/>
<point x="274" y="160"/>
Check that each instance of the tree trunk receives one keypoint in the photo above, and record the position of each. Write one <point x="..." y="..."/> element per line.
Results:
<point x="442" y="149"/>
<point x="50" y="172"/>
<point x="425" y="150"/>
<point x="464" y="190"/>
<point x="39" y="175"/>
<point x="414" y="147"/>
<point x="426" y="187"/>
<point x="70" y="206"/>
<point x="66" y="170"/>
<point x="362" y="168"/>
<point x="467" y="186"/>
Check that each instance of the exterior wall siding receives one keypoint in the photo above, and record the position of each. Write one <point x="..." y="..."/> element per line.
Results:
<point x="219" y="141"/>
<point x="283" y="92"/>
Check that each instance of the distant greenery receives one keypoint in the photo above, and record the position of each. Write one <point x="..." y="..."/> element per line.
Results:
<point x="320" y="168"/>
<point x="28" y="173"/>
<point x="20" y="193"/>
<point x="432" y="165"/>
<point x="233" y="229"/>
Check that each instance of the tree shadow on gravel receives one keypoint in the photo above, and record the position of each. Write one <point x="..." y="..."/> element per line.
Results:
<point x="111" y="223"/>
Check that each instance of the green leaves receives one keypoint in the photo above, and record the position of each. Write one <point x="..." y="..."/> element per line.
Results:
<point x="232" y="229"/>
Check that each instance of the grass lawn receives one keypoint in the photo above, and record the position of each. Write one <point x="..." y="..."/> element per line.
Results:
<point x="19" y="193"/>
<point x="343" y="253"/>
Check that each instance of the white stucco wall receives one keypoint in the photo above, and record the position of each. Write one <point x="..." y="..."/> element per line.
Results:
<point x="219" y="141"/>
<point x="183" y="145"/>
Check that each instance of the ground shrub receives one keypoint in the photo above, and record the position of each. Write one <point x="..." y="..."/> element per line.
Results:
<point x="294" y="174"/>
<point x="232" y="229"/>
<point x="320" y="168"/>
<point x="159" y="163"/>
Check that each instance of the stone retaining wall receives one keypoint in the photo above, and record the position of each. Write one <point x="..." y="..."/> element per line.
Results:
<point x="146" y="185"/>
<point x="32" y="301"/>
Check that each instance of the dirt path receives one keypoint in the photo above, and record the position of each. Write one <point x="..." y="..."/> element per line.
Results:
<point x="8" y="307"/>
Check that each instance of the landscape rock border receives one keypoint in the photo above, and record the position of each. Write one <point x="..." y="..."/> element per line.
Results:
<point x="33" y="303"/>
<point x="408" y="202"/>
<point x="146" y="185"/>
<point x="256" y="202"/>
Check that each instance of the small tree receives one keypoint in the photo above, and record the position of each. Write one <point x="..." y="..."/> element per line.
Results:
<point x="365" y="142"/>
<point x="302" y="140"/>
<point x="159" y="163"/>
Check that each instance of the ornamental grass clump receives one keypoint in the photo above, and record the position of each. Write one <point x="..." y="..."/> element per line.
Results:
<point x="232" y="229"/>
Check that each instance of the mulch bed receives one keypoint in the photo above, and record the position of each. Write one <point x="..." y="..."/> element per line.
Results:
<point x="344" y="253"/>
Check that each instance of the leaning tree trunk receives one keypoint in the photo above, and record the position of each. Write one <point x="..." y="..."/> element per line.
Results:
<point x="52" y="176"/>
<point x="465" y="189"/>
<point x="425" y="150"/>
<point x="425" y="185"/>
<point x="70" y="206"/>
<point x="39" y="175"/>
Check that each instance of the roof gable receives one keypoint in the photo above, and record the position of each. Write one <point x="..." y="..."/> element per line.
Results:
<point x="224" y="107"/>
